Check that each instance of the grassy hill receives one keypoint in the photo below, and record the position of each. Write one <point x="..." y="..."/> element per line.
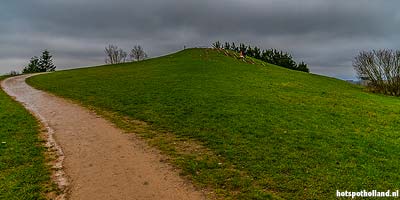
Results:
<point x="23" y="172"/>
<point x="272" y="131"/>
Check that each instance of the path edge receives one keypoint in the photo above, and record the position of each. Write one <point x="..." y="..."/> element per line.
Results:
<point x="58" y="174"/>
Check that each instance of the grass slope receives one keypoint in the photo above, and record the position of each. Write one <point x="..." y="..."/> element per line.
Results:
<point x="23" y="172"/>
<point x="296" y="135"/>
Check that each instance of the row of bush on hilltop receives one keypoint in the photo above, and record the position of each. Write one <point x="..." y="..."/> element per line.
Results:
<point x="271" y="56"/>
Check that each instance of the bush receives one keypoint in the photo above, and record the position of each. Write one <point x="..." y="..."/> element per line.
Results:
<point x="380" y="69"/>
<point x="272" y="56"/>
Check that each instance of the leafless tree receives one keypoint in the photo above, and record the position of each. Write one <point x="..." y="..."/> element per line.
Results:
<point x="13" y="73"/>
<point x="381" y="68"/>
<point x="114" y="55"/>
<point x="137" y="53"/>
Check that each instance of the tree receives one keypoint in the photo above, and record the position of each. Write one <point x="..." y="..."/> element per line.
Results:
<point x="303" y="67"/>
<point x="13" y="73"/>
<point x="227" y="46"/>
<point x="279" y="58"/>
<point x="233" y="47"/>
<point x="33" y="66"/>
<point x="272" y="56"/>
<point x="283" y="59"/>
<point x="257" y="53"/>
<point x="216" y="45"/>
<point x="381" y="68"/>
<point x="46" y="62"/>
<point x="249" y="51"/>
<point x="114" y="55"/>
<point x="137" y="53"/>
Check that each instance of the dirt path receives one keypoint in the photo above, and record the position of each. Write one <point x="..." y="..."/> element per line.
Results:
<point x="100" y="161"/>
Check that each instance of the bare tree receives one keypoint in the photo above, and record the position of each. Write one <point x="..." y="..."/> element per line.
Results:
<point x="13" y="73"/>
<point x="381" y="68"/>
<point x="137" y="53"/>
<point x="114" y="55"/>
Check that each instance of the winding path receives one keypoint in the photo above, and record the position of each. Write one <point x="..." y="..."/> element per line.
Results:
<point x="99" y="160"/>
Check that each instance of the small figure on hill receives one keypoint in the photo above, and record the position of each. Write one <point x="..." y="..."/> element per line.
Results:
<point x="241" y="55"/>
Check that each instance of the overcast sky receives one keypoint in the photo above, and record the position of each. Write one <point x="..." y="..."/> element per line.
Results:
<point x="326" y="34"/>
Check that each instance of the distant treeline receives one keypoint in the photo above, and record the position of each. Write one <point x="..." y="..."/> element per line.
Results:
<point x="272" y="56"/>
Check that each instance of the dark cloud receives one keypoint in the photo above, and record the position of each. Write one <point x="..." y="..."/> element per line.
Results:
<point x="326" y="34"/>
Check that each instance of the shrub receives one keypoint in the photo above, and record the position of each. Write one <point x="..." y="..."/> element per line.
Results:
<point x="272" y="56"/>
<point x="380" y="69"/>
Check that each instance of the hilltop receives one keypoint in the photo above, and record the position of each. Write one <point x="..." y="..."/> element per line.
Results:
<point x="275" y="132"/>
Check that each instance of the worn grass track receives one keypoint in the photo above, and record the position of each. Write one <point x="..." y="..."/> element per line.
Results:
<point x="295" y="135"/>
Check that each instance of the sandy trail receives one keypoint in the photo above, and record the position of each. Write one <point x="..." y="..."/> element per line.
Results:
<point x="100" y="161"/>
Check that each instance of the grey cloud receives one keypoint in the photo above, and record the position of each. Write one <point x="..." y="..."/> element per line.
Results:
<point x="326" y="34"/>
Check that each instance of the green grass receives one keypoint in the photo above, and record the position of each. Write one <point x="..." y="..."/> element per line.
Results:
<point x="278" y="132"/>
<point x="23" y="172"/>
